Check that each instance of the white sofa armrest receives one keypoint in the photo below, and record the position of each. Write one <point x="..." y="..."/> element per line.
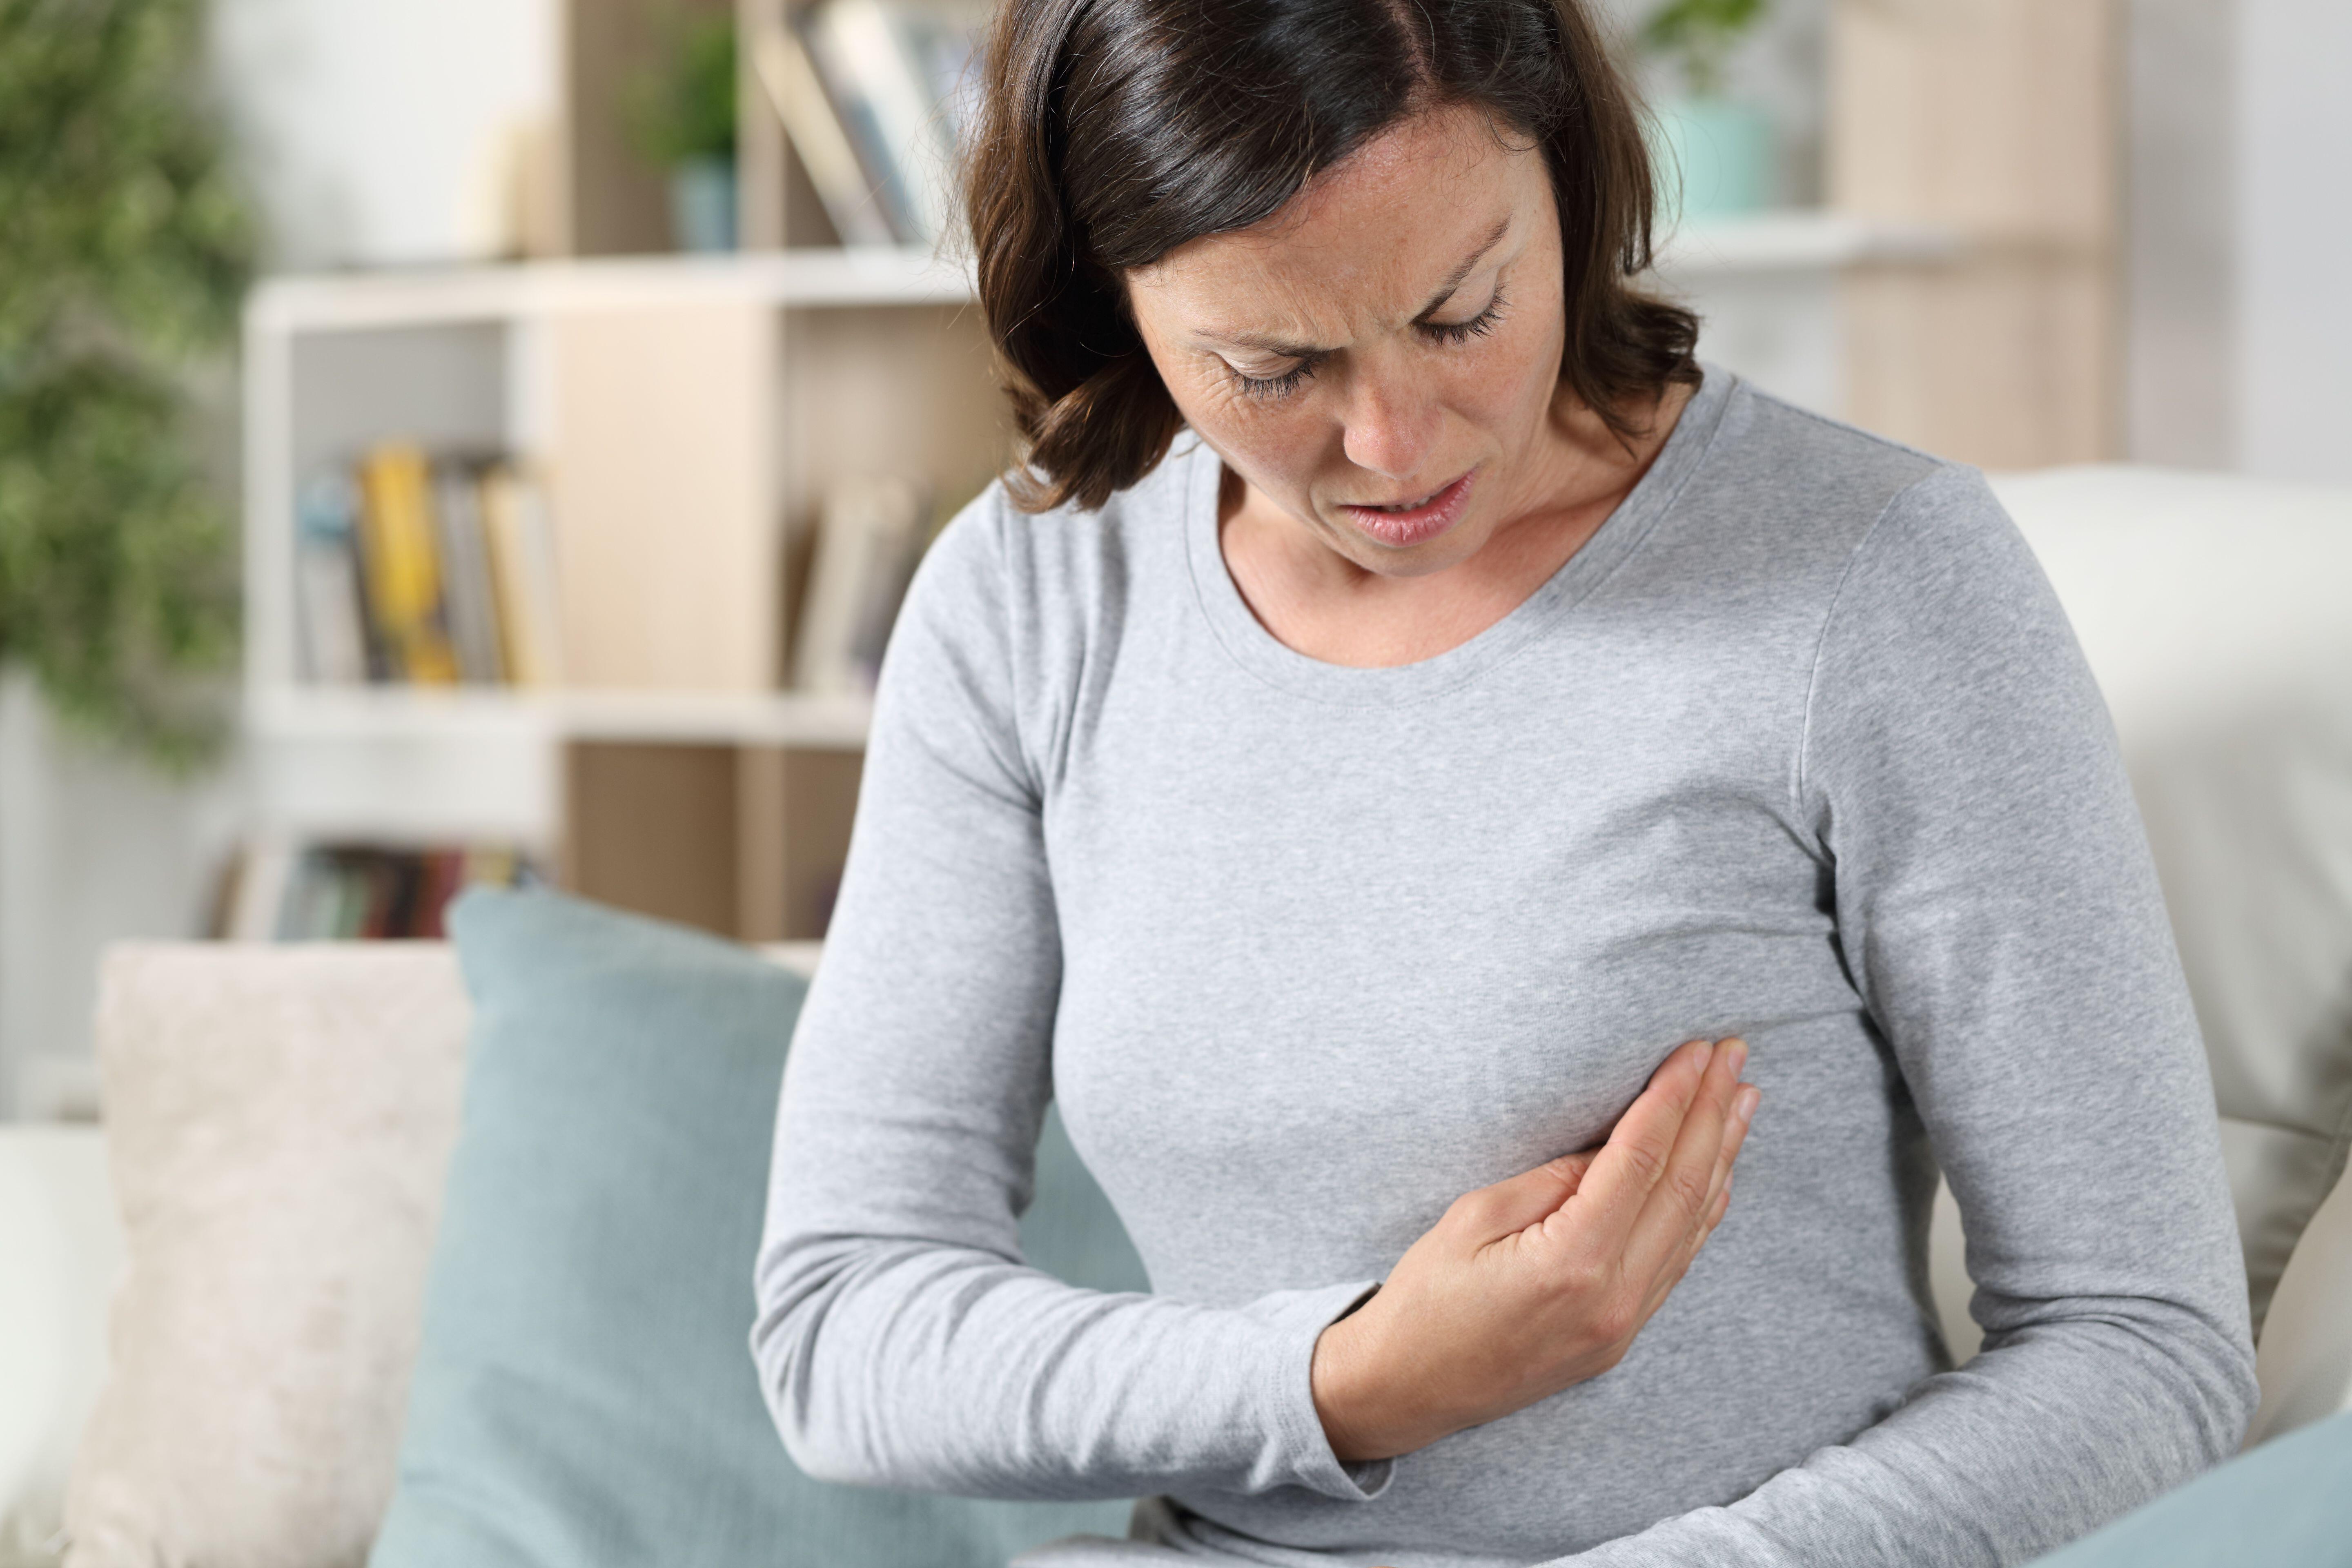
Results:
<point x="2304" y="1360"/>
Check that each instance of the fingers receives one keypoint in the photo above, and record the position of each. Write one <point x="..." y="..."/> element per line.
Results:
<point x="1639" y="1150"/>
<point x="1523" y="1200"/>
<point x="1680" y="1199"/>
<point x="1743" y="1110"/>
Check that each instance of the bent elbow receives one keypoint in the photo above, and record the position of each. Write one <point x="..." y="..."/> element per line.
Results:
<point x="2234" y="1394"/>
<point x="797" y="1364"/>
<point x="820" y="1442"/>
<point x="824" y="1452"/>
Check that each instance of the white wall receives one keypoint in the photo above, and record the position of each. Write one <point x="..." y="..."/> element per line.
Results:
<point x="367" y="129"/>
<point x="2293" y="72"/>
<point x="370" y="127"/>
<point x="2240" y="237"/>
<point x="2180" y="383"/>
<point x="94" y="847"/>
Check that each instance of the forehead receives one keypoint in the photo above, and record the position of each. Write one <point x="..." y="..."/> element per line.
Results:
<point x="1370" y="235"/>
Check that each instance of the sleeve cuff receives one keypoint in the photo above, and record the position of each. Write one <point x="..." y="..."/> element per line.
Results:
<point x="1297" y="1319"/>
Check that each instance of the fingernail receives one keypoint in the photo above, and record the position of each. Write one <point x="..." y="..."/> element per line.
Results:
<point x="1738" y="1048"/>
<point x="1744" y="1107"/>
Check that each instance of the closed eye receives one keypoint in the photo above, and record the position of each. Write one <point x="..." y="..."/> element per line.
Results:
<point x="1477" y="326"/>
<point x="1275" y="386"/>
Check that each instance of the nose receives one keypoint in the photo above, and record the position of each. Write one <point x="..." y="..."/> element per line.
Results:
<point x="1392" y="423"/>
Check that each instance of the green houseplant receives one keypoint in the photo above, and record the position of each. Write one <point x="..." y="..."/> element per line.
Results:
<point x="681" y="113"/>
<point x="128" y="250"/>
<point x="1721" y="150"/>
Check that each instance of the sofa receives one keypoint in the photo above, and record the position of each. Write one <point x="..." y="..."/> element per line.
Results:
<point x="2213" y="609"/>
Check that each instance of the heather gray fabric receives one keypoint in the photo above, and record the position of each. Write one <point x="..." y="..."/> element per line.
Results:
<point x="1799" y="746"/>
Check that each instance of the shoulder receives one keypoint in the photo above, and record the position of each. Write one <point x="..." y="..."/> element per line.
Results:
<point x="1841" y="509"/>
<point x="1030" y="571"/>
<point x="1008" y="610"/>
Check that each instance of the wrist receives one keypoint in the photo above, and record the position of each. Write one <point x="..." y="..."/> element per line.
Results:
<point x="1354" y="1399"/>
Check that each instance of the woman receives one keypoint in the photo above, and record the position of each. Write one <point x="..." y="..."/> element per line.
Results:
<point x="1402" y="698"/>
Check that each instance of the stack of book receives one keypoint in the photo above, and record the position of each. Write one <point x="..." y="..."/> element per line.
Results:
<point x="876" y="96"/>
<point x="277" y="892"/>
<point x="427" y="570"/>
<point x="870" y="534"/>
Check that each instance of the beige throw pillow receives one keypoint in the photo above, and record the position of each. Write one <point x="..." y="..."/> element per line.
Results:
<point x="280" y="1119"/>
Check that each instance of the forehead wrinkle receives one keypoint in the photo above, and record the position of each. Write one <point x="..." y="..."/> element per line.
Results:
<point x="1274" y="342"/>
<point x="1369" y="195"/>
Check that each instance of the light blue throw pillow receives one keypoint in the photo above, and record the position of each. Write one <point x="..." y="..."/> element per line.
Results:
<point x="2287" y="1504"/>
<point x="584" y="1394"/>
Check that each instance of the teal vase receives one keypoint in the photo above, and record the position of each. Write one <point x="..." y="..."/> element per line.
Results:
<point x="702" y="204"/>
<point x="1713" y="159"/>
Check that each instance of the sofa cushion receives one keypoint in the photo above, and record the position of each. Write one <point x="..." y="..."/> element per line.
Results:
<point x="278" y="1120"/>
<point x="584" y="1393"/>
<point x="2282" y="1505"/>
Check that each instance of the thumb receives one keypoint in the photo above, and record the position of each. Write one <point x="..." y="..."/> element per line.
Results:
<point x="1517" y="1202"/>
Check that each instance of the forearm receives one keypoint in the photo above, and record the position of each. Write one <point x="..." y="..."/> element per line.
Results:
<point x="953" y="1369"/>
<point x="2061" y="1428"/>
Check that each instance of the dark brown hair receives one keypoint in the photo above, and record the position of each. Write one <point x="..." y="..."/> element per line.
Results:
<point x="1111" y="131"/>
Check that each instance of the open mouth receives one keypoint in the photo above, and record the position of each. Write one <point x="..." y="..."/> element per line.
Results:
<point x="1409" y="522"/>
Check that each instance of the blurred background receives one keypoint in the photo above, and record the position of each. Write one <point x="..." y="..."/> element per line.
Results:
<point x="486" y="440"/>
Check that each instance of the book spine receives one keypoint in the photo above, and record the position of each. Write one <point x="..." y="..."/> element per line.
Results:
<point x="472" y="606"/>
<point x="840" y="47"/>
<point x="520" y="553"/>
<point x="328" y="601"/>
<point x="402" y="564"/>
<point x="865" y="531"/>
<point x="883" y="48"/>
<point x="796" y="92"/>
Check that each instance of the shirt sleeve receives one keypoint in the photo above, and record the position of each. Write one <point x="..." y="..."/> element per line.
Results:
<point x="899" y="1338"/>
<point x="1998" y="911"/>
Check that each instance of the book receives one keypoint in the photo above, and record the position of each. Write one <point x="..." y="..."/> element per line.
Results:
<point x="402" y="566"/>
<point x="258" y="879"/>
<point x="899" y="75"/>
<point x="410" y="568"/>
<point x="328" y="607"/>
<point x="341" y="892"/>
<point x="870" y="531"/>
<point x="519" y="541"/>
<point x="466" y="591"/>
<point x="795" y="91"/>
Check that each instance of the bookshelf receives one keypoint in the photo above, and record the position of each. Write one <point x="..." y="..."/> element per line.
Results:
<point x="686" y="411"/>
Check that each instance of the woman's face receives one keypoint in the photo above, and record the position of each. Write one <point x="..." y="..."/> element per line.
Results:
<point x="1379" y="359"/>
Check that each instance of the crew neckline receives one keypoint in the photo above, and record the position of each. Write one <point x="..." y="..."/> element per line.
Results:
<point x="1263" y="654"/>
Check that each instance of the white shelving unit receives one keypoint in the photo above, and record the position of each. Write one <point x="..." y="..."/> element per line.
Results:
<point x="493" y="316"/>
<point x="540" y="360"/>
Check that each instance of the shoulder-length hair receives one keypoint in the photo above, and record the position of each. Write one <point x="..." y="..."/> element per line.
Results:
<point x="1111" y="131"/>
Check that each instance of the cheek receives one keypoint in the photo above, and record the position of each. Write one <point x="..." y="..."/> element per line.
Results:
<point x="1504" y="380"/>
<point x="1278" y="444"/>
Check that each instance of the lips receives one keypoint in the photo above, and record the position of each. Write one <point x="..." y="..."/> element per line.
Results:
<point x="1414" y="521"/>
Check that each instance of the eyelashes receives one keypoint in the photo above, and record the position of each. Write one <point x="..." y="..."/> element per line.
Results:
<point x="1477" y="326"/>
<point x="1271" y="389"/>
<point x="1273" y="386"/>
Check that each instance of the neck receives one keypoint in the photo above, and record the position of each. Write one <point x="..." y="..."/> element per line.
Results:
<point x="1321" y="603"/>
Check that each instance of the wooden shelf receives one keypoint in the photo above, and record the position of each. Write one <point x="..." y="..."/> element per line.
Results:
<point x="832" y="278"/>
<point x="813" y="279"/>
<point x="1798" y="240"/>
<point x="378" y="713"/>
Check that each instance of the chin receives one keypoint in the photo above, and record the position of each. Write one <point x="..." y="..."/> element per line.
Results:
<point x="1450" y="549"/>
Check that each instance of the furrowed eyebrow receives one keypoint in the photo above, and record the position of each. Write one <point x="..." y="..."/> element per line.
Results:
<point x="1444" y="293"/>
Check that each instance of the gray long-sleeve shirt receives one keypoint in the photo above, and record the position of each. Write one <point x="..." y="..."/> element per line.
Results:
<point x="1798" y="746"/>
